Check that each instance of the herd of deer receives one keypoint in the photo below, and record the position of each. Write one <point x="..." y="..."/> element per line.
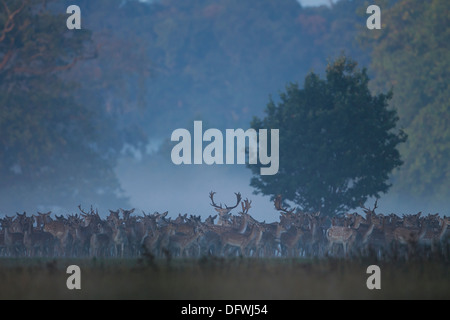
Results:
<point x="122" y="234"/>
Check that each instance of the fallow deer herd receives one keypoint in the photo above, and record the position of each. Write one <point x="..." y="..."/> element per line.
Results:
<point x="296" y="234"/>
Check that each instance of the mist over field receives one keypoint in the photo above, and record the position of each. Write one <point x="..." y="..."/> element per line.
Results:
<point x="164" y="188"/>
<point x="98" y="132"/>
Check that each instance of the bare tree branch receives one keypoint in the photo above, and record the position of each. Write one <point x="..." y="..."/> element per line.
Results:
<point x="9" y="24"/>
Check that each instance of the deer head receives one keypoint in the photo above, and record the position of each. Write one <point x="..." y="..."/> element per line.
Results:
<point x="224" y="212"/>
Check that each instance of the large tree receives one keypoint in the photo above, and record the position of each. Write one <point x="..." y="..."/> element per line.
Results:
<point x="338" y="142"/>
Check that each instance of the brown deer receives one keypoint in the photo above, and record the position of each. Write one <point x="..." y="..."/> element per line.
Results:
<point x="100" y="242"/>
<point x="271" y="241"/>
<point x="120" y="240"/>
<point x="36" y="240"/>
<point x="2" y="242"/>
<point x="182" y="242"/>
<point x="437" y="228"/>
<point x="343" y="235"/>
<point x="42" y="219"/>
<point x="410" y="236"/>
<point x="312" y="237"/>
<point x="287" y="217"/>
<point x="13" y="241"/>
<point x="239" y="240"/>
<point x="290" y="241"/>
<point x="210" y="220"/>
<point x="223" y="212"/>
<point x="82" y="236"/>
<point x="126" y="213"/>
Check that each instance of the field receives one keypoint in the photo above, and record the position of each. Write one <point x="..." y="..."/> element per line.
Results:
<point x="218" y="278"/>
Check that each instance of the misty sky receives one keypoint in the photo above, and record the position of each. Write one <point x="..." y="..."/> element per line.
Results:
<point x="303" y="2"/>
<point x="313" y="2"/>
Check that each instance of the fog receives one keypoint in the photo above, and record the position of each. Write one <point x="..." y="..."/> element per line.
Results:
<point x="162" y="186"/>
<point x="160" y="66"/>
<point x="158" y="185"/>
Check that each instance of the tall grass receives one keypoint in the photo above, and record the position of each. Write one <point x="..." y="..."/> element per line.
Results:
<point x="217" y="278"/>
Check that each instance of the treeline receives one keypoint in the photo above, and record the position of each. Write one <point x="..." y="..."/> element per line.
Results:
<point x="138" y="70"/>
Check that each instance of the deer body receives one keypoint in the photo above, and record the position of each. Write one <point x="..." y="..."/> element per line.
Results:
<point x="290" y="240"/>
<point x="181" y="242"/>
<point x="239" y="240"/>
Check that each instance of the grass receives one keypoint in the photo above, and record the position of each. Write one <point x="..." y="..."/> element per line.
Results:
<point x="217" y="278"/>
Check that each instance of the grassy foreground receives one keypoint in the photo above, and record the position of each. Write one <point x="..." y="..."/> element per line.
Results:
<point x="214" y="278"/>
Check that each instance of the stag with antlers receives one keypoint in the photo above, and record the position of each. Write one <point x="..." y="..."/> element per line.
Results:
<point x="223" y="212"/>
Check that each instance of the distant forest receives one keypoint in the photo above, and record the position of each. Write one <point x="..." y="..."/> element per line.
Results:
<point x="142" y="69"/>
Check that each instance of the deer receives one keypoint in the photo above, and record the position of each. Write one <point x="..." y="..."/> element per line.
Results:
<point x="133" y="230"/>
<point x="36" y="240"/>
<point x="119" y="239"/>
<point x="62" y="232"/>
<point x="182" y="242"/>
<point x="41" y="219"/>
<point x="410" y="234"/>
<point x="239" y="240"/>
<point x="270" y="241"/>
<point x="210" y="220"/>
<point x="114" y="217"/>
<point x="290" y="231"/>
<point x="181" y="218"/>
<point x="13" y="241"/>
<point x="223" y="212"/>
<point x="257" y="242"/>
<point x="312" y="237"/>
<point x="100" y="242"/>
<point x="156" y="237"/>
<point x="126" y="213"/>
<point x="411" y="221"/>
<point x="17" y="224"/>
<point x="2" y="242"/>
<point x="437" y="228"/>
<point x="290" y="240"/>
<point x="237" y="224"/>
<point x="185" y="226"/>
<point x="411" y="231"/>
<point x="444" y="223"/>
<point x="370" y="229"/>
<point x="343" y="235"/>
<point x="286" y="216"/>
<point x="83" y="232"/>
<point x="149" y="242"/>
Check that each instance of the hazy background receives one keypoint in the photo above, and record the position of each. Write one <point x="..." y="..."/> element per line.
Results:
<point x="160" y="65"/>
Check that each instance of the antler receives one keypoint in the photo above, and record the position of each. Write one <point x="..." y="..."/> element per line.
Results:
<point x="369" y="211"/>
<point x="278" y="205"/>
<point x="84" y="212"/>
<point x="211" y="195"/>
<point x="238" y="200"/>
<point x="246" y="205"/>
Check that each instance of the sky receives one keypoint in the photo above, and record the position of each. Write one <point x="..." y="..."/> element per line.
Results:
<point x="312" y="3"/>
<point x="305" y="3"/>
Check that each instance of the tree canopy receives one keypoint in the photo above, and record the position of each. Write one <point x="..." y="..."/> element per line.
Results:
<point x="338" y="142"/>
